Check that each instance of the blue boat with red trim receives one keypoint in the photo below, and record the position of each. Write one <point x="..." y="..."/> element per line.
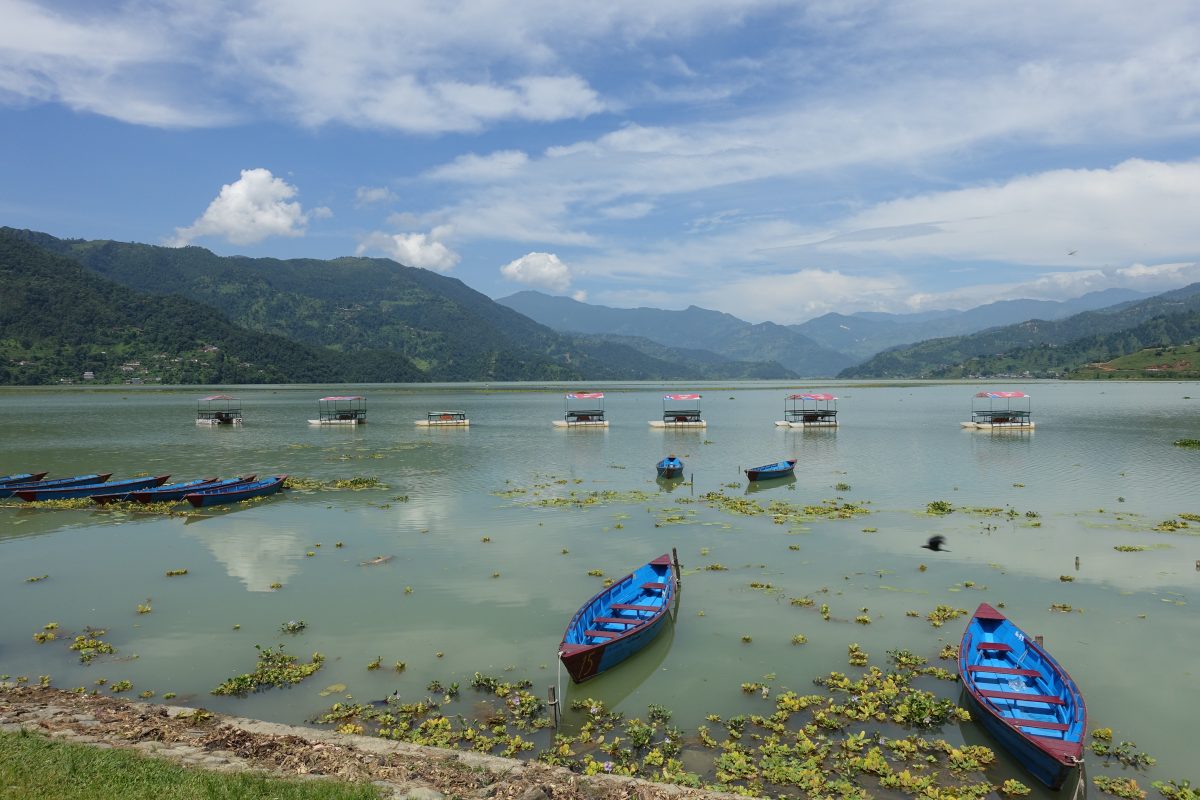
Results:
<point x="89" y="489"/>
<point x="171" y="492"/>
<point x="780" y="469"/>
<point x="236" y="493"/>
<point x="1026" y="700"/>
<point x="621" y="619"/>
<point x="669" y="467"/>
<point x="22" y="477"/>
<point x="10" y="489"/>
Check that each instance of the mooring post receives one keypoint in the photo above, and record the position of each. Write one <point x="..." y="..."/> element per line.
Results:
<point x="692" y="486"/>
<point x="1038" y="638"/>
<point x="552" y="702"/>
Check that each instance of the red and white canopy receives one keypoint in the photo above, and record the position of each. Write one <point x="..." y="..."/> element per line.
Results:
<point x="812" y="396"/>
<point x="343" y="397"/>
<point x="681" y="397"/>
<point x="586" y="396"/>
<point x="1002" y="395"/>
<point x="217" y="397"/>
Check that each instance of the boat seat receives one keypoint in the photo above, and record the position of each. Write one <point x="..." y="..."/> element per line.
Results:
<point x="998" y="646"/>
<point x="1028" y="698"/>
<point x="602" y="634"/>
<point x="1039" y="723"/>
<point x="654" y="587"/>
<point x="618" y="621"/>
<point x="632" y="607"/>
<point x="1031" y="673"/>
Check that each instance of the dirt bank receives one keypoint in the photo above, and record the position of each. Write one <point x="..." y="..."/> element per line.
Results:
<point x="204" y="739"/>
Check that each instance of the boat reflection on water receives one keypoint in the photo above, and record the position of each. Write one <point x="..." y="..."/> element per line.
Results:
<point x="669" y="485"/>
<point x="754" y="487"/>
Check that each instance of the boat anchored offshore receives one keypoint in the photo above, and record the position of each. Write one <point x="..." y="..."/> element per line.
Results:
<point x="780" y="469"/>
<point x="1028" y="702"/>
<point x="621" y="619"/>
<point x="1000" y="411"/>
<point x="670" y="467"/>
<point x="218" y="409"/>
<point x="583" y="410"/>
<point x="809" y="410"/>
<point x="680" y="411"/>
<point x="444" y="419"/>
<point x="341" y="410"/>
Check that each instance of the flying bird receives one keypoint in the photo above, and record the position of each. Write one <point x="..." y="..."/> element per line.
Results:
<point x="1072" y="252"/>
<point x="935" y="543"/>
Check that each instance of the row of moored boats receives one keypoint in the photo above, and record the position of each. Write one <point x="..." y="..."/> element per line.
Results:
<point x="1026" y="700"/>
<point x="201" y="492"/>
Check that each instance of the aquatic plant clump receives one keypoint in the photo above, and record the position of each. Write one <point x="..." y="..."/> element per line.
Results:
<point x="275" y="668"/>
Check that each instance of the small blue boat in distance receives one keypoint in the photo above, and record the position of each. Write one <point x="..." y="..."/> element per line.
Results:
<point x="621" y="619"/>
<point x="8" y="490"/>
<point x="22" y="477"/>
<point x="780" y="469"/>
<point x="236" y="492"/>
<point x="669" y="467"/>
<point x="89" y="489"/>
<point x="1026" y="700"/>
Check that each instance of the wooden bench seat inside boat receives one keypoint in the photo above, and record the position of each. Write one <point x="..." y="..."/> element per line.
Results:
<point x="654" y="587"/>
<point x="997" y="646"/>
<point x="1031" y="673"/>
<point x="1040" y="723"/>
<point x="602" y="634"/>
<point x="618" y="620"/>
<point x="633" y="607"/>
<point x="1028" y="698"/>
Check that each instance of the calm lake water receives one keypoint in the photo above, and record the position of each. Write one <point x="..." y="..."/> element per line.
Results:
<point x="1100" y="471"/>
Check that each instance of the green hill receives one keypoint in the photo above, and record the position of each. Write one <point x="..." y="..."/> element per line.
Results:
<point x="58" y="320"/>
<point x="1014" y="349"/>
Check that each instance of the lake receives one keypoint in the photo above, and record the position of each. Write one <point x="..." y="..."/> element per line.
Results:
<point x="489" y="561"/>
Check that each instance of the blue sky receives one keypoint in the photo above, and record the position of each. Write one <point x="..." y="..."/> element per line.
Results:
<point x="772" y="160"/>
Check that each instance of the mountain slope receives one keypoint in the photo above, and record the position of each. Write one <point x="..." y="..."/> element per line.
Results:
<point x="941" y="357"/>
<point x="694" y="327"/>
<point x="865" y="334"/>
<point x="58" y="320"/>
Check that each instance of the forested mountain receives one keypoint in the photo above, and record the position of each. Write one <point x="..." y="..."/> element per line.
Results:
<point x="864" y="334"/>
<point x="1013" y="349"/>
<point x="443" y="329"/>
<point x="58" y="320"/>
<point x="694" y="327"/>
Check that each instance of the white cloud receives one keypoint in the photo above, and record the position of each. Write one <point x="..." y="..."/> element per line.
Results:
<point x="579" y="296"/>
<point x="426" y="251"/>
<point x="627" y="210"/>
<point x="252" y="208"/>
<point x="370" y="195"/>
<point x="543" y="270"/>
<point x="1136" y="210"/>
<point x="471" y="168"/>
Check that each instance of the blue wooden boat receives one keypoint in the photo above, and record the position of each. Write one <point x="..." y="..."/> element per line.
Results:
<point x="22" y="477"/>
<point x="236" y="493"/>
<point x="170" y="492"/>
<point x="10" y="489"/>
<point x="620" y="620"/>
<point x="669" y="467"/>
<point x="780" y="469"/>
<point x="1027" y="701"/>
<point x="89" y="489"/>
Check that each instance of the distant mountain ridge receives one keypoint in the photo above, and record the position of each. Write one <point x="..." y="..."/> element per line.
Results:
<point x="947" y="356"/>
<point x="441" y="328"/>
<point x="694" y="327"/>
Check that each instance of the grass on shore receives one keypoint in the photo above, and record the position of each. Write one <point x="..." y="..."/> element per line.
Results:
<point x="35" y="767"/>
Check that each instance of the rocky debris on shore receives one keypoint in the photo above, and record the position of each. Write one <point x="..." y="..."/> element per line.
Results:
<point x="199" y="738"/>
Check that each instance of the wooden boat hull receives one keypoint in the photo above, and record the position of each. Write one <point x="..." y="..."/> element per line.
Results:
<point x="89" y="489"/>
<point x="613" y="625"/>
<point x="23" y="477"/>
<point x="10" y="489"/>
<point x="669" y="468"/>
<point x="1024" y="698"/>
<point x="170" y="493"/>
<point x="237" y="493"/>
<point x="780" y="470"/>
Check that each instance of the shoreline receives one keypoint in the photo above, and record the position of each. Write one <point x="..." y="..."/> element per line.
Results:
<point x="198" y="738"/>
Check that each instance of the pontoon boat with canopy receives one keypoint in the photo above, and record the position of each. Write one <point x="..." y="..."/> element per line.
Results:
<point x="341" y="410"/>
<point x="583" y="410"/>
<point x="809" y="410"/>
<point x="218" y="409"/>
<point x="680" y="411"/>
<point x="444" y="419"/>
<point x="1000" y="411"/>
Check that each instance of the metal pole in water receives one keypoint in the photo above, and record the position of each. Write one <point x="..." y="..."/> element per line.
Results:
<point x="1037" y="637"/>
<point x="552" y="702"/>
<point x="692" y="487"/>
